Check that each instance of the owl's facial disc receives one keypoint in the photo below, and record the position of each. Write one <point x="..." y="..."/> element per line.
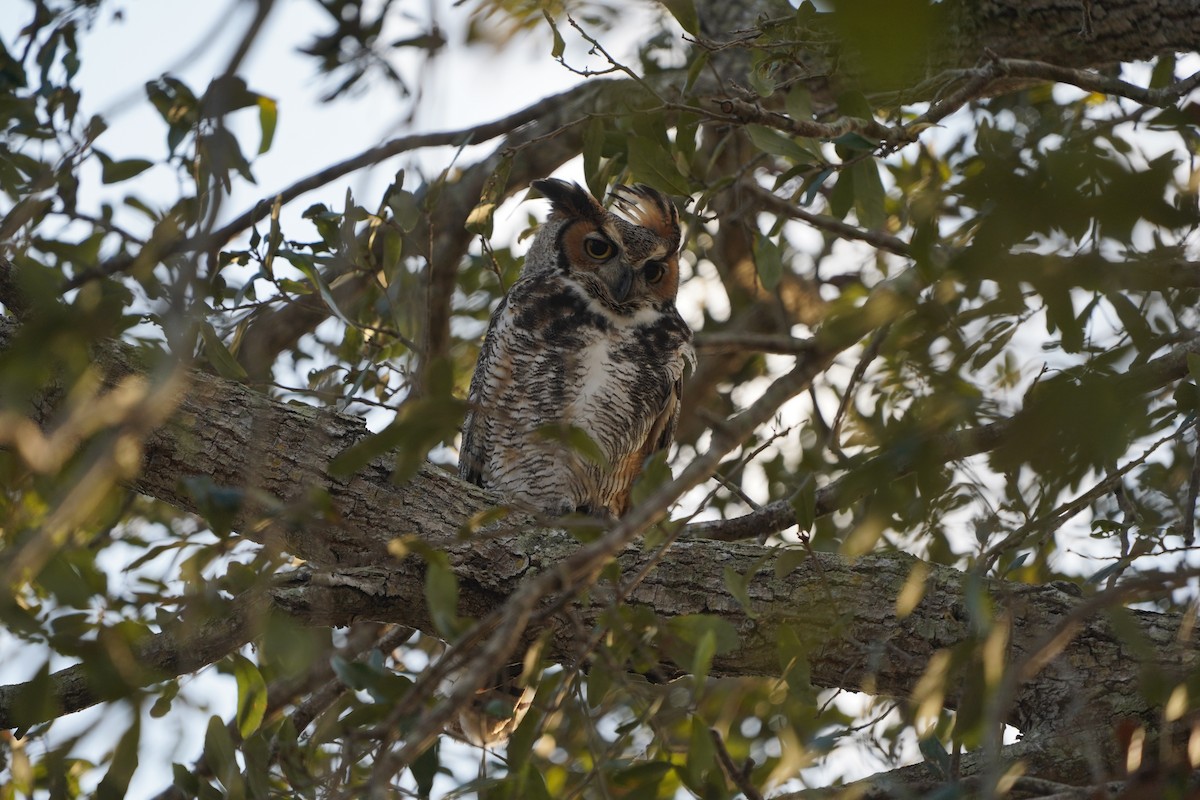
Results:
<point x="618" y="277"/>
<point x="610" y="264"/>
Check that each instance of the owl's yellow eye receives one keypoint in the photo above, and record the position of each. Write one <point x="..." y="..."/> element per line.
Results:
<point x="654" y="271"/>
<point x="598" y="249"/>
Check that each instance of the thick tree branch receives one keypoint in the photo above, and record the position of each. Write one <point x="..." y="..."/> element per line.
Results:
<point x="843" y="611"/>
<point x="1068" y="34"/>
<point x="162" y="656"/>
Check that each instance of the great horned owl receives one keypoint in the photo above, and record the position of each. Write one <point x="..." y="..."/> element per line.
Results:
<point x="587" y="338"/>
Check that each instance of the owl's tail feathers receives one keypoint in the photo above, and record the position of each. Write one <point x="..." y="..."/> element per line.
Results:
<point x="494" y="714"/>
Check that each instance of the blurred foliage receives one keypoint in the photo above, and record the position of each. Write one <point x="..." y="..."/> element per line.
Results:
<point x="1041" y="250"/>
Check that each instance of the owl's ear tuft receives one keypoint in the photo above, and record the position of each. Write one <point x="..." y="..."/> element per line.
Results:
<point x="568" y="199"/>
<point x="646" y="206"/>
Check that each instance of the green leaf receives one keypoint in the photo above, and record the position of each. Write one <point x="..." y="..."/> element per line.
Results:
<point x="1102" y="575"/>
<point x="31" y="208"/>
<point x="804" y="503"/>
<point x="166" y="695"/>
<point x="441" y="595"/>
<point x="532" y="785"/>
<point x="117" y="171"/>
<point x="641" y="779"/>
<point x="219" y="505"/>
<point x="408" y="435"/>
<point x="684" y="12"/>
<point x="37" y="700"/>
<point x="405" y="207"/>
<point x="252" y="695"/>
<point x="599" y="683"/>
<point x="353" y="674"/>
<point x="788" y="559"/>
<point x="479" y="221"/>
<point x="701" y="755"/>
<point x="425" y="768"/>
<point x="556" y="50"/>
<point x="219" y="752"/>
<point x="696" y="639"/>
<point x="655" y="473"/>
<point x="794" y="665"/>
<point x="593" y="152"/>
<point x="762" y="79"/>
<point x="694" y="628"/>
<point x="699" y="62"/>
<point x="173" y="100"/>
<point x="1193" y="364"/>
<point x="652" y="163"/>
<point x="768" y="260"/>
<point x="1163" y="73"/>
<point x="1187" y="397"/>
<point x="185" y="779"/>
<point x="798" y="102"/>
<point x="268" y="117"/>
<point x="219" y="357"/>
<point x="814" y="185"/>
<point x="419" y="426"/>
<point x="222" y="154"/>
<point x="257" y="754"/>
<point x="227" y="93"/>
<point x="736" y="583"/>
<point x="318" y="281"/>
<point x="706" y="648"/>
<point x="1135" y="324"/>
<point x="1060" y="317"/>
<point x="576" y="439"/>
<point x="868" y="194"/>
<point x="935" y="754"/>
<point x="772" y="141"/>
<point x="852" y="143"/>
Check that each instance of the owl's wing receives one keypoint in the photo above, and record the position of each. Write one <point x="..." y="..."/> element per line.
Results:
<point x="476" y="438"/>
<point x="662" y="432"/>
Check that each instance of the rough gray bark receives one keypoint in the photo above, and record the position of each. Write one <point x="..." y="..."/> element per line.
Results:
<point x="842" y="610"/>
<point x="1075" y="33"/>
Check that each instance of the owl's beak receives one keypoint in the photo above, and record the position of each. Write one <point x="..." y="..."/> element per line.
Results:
<point x="618" y="276"/>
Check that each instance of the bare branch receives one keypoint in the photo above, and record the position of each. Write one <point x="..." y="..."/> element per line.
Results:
<point x="777" y="205"/>
<point x="218" y="238"/>
<point x="778" y="515"/>
<point x="164" y="655"/>
<point x="737" y="341"/>
<point x="739" y="776"/>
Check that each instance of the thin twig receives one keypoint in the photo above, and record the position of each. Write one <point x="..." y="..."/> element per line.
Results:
<point x="1058" y="516"/>
<point x="367" y="158"/>
<point x="736" y="342"/>
<point x="954" y="446"/>
<point x="1189" y="506"/>
<point x="860" y="369"/>
<point x="786" y="208"/>
<point x="739" y="776"/>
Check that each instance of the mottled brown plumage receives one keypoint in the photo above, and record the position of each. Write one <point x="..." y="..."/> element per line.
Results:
<point x="587" y="339"/>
